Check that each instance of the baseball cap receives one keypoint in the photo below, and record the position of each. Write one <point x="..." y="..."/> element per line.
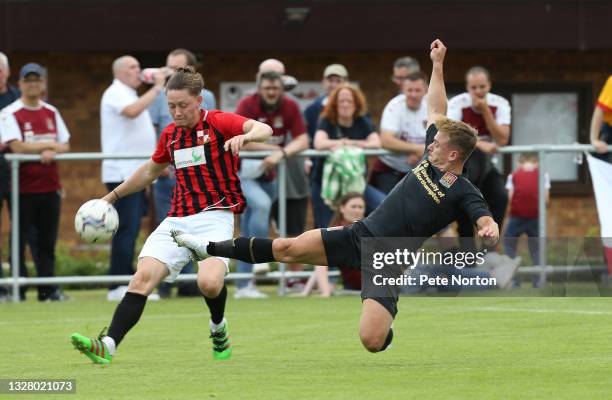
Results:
<point x="335" y="69"/>
<point x="32" y="68"/>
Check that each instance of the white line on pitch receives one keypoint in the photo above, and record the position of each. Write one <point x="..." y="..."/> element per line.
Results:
<point x="541" y="310"/>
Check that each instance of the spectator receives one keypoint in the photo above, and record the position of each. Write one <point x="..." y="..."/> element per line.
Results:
<point x="333" y="76"/>
<point x="271" y="106"/>
<point x="351" y="208"/>
<point x="601" y="137"/>
<point x="489" y="114"/>
<point x="126" y="127"/>
<point x="402" y="126"/>
<point x="343" y="123"/>
<point x="8" y="94"/>
<point x="522" y="186"/>
<point x="164" y="185"/>
<point x="297" y="181"/>
<point x="274" y="65"/>
<point x="402" y="68"/>
<point x="29" y="125"/>
<point x="601" y="122"/>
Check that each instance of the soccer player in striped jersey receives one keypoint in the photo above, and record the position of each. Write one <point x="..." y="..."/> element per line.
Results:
<point x="203" y="147"/>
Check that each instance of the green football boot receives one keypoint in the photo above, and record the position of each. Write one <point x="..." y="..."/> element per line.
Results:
<point x="222" y="348"/>
<point x="94" y="349"/>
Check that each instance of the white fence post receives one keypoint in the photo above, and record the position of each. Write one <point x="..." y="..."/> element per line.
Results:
<point x="542" y="256"/>
<point x="282" y="219"/>
<point x="15" y="232"/>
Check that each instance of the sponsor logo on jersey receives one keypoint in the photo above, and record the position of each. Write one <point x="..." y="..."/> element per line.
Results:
<point x="420" y="172"/>
<point x="448" y="179"/>
<point x="189" y="157"/>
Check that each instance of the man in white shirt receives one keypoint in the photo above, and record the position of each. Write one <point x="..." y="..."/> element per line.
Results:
<point x="490" y="115"/>
<point x="403" y="126"/>
<point x="126" y="128"/>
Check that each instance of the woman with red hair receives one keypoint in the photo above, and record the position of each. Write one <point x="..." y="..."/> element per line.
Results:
<point x="343" y="122"/>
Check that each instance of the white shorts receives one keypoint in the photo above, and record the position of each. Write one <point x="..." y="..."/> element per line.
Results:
<point x="214" y="226"/>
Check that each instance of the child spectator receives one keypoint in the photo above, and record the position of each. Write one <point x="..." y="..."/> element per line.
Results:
<point x="522" y="186"/>
<point x="351" y="207"/>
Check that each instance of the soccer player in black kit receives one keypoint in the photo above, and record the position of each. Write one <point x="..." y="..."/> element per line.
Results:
<point x="429" y="198"/>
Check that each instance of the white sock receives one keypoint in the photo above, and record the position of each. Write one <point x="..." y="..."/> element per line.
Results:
<point x="215" y="327"/>
<point x="110" y="344"/>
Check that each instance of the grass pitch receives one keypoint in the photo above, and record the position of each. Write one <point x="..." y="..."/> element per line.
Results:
<point x="292" y="348"/>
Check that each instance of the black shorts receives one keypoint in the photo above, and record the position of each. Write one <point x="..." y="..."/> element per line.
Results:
<point x="343" y="248"/>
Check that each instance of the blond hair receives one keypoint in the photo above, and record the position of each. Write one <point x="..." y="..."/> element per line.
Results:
<point x="461" y="136"/>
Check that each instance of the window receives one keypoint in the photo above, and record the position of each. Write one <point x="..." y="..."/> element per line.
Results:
<point x="551" y="113"/>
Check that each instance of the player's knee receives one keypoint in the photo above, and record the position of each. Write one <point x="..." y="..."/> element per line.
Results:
<point x="372" y="343"/>
<point x="141" y="282"/>
<point x="295" y="253"/>
<point x="209" y="287"/>
<point x="283" y="249"/>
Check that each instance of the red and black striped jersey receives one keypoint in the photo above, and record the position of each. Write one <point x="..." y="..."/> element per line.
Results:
<point x="206" y="174"/>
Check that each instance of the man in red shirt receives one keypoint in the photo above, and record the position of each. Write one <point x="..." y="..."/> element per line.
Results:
<point x="31" y="126"/>
<point x="203" y="148"/>
<point x="522" y="186"/>
<point x="271" y="106"/>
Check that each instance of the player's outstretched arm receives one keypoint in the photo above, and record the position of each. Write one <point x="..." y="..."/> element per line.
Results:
<point x="436" y="95"/>
<point x="488" y="230"/>
<point x="140" y="179"/>
<point x="254" y="131"/>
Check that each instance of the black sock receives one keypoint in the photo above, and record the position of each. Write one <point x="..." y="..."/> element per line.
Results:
<point x="387" y="340"/>
<point x="217" y="306"/>
<point x="126" y="315"/>
<point x="252" y="250"/>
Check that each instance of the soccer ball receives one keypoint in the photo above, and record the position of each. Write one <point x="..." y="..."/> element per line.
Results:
<point x="96" y="221"/>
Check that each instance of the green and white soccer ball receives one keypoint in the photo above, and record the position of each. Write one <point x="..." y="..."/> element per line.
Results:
<point x="96" y="221"/>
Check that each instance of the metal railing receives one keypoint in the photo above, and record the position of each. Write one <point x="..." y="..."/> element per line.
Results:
<point x="15" y="159"/>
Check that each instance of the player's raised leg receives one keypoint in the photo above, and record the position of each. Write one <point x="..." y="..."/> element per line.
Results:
<point x="375" y="326"/>
<point x="307" y="248"/>
<point x="150" y="272"/>
<point x="211" y="281"/>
